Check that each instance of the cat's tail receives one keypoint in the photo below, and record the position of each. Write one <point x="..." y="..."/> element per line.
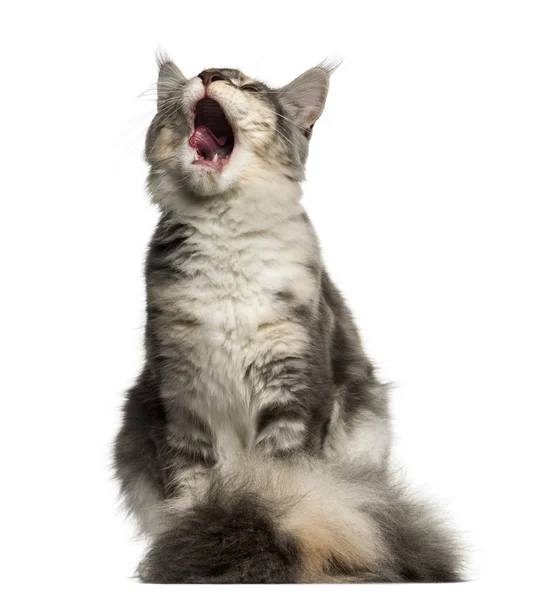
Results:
<point x="300" y="522"/>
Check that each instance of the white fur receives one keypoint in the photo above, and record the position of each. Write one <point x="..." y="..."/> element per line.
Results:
<point x="367" y="439"/>
<point x="283" y="433"/>
<point x="248" y="250"/>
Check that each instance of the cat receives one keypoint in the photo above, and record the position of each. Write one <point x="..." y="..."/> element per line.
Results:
<point x="255" y="444"/>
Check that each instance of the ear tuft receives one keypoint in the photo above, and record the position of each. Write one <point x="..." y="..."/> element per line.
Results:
<point x="305" y="97"/>
<point x="170" y="78"/>
<point x="330" y="64"/>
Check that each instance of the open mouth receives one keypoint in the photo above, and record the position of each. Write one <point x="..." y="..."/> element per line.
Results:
<point x="213" y="138"/>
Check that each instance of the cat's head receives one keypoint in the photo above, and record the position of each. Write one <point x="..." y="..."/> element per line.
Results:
<point x="222" y="129"/>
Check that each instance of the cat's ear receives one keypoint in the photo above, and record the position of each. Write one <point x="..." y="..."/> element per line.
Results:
<point x="170" y="79"/>
<point x="305" y="97"/>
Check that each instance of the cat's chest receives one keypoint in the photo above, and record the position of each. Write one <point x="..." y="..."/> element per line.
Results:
<point x="238" y="316"/>
<point x="229" y="310"/>
<point x="232" y="287"/>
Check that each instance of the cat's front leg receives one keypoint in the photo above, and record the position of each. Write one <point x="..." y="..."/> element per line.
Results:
<point x="189" y="438"/>
<point x="191" y="449"/>
<point x="283" y="413"/>
<point x="191" y="456"/>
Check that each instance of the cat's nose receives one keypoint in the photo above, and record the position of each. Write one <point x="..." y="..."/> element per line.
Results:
<point x="210" y="75"/>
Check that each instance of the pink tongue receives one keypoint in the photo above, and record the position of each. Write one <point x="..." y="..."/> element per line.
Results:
<point x="205" y="142"/>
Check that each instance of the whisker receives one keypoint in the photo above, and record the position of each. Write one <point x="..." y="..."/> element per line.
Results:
<point x="137" y="121"/>
<point x="287" y="140"/>
<point x="286" y="118"/>
<point x="167" y="109"/>
<point x="150" y="90"/>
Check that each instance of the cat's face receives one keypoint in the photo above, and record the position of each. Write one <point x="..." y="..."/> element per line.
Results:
<point x="222" y="129"/>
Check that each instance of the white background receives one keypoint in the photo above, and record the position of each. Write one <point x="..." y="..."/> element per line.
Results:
<point x="422" y="183"/>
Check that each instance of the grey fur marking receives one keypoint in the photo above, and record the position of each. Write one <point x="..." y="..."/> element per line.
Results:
<point x="257" y="417"/>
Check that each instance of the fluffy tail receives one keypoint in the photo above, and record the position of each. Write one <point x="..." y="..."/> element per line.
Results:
<point x="304" y="522"/>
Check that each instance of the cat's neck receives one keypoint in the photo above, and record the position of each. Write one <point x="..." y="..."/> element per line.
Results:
<point x="262" y="204"/>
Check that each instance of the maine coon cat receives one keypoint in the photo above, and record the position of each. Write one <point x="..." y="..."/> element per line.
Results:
<point x="255" y="443"/>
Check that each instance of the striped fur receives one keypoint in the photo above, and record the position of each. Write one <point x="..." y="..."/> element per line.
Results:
<point x="257" y="422"/>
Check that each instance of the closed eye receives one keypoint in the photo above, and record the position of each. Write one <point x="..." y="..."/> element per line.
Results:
<point x="249" y="88"/>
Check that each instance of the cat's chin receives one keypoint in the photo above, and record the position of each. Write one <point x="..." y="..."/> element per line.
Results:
<point x="203" y="179"/>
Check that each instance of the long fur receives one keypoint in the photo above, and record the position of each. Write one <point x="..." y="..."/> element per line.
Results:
<point x="259" y="521"/>
<point x="255" y="443"/>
